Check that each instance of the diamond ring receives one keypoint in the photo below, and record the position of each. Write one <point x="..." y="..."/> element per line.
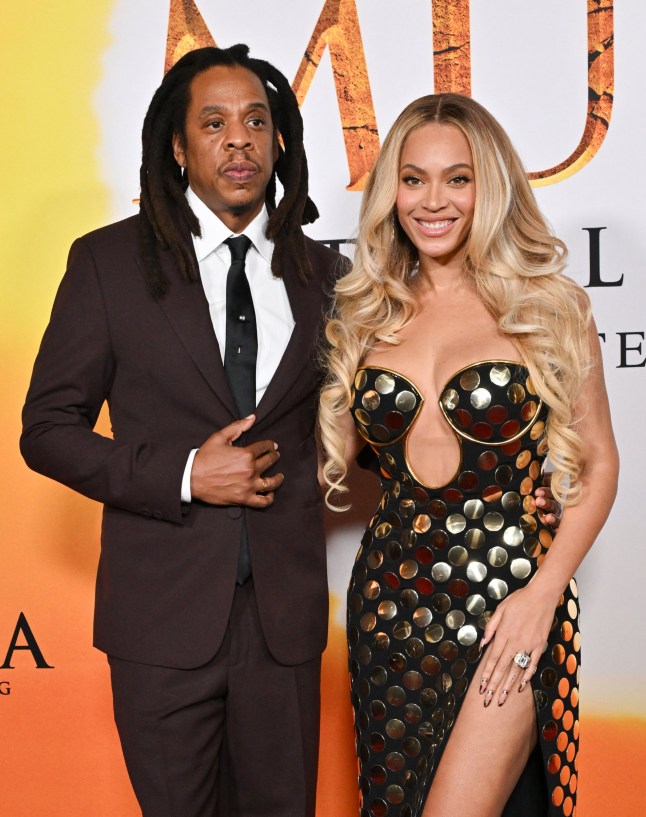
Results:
<point x="522" y="659"/>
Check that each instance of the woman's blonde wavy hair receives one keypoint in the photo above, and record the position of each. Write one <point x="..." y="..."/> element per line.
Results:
<point x="514" y="264"/>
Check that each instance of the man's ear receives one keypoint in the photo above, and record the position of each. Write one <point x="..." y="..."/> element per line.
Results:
<point x="278" y="140"/>
<point x="178" y="150"/>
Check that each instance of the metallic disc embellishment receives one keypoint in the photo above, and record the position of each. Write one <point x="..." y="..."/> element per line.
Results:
<point x="380" y="432"/>
<point x="408" y="569"/>
<point x="468" y="480"/>
<point x="500" y="375"/>
<point x="406" y="508"/>
<point x="482" y="431"/>
<point x="510" y="501"/>
<point x="474" y="538"/>
<point x="492" y="493"/>
<point x="516" y="393"/>
<point x="368" y="622"/>
<point x="456" y="523"/>
<point x="395" y="729"/>
<point x="362" y="416"/>
<point x="371" y="589"/>
<point x="430" y="664"/>
<point x="394" y="551"/>
<point x="408" y="599"/>
<point x="470" y="380"/>
<point x="520" y="568"/>
<point x="480" y="399"/>
<point x="434" y="633"/>
<point x="441" y="602"/>
<point x="382" y="530"/>
<point x="380" y="641"/>
<point x="421" y="523"/>
<point x="497" y="589"/>
<point x="422" y="617"/>
<point x="497" y="415"/>
<point x="394" y="420"/>
<point x="375" y="559"/>
<point x="493" y="521"/>
<point x="487" y="460"/>
<point x="513" y="536"/>
<point x="476" y="572"/>
<point x="415" y="647"/>
<point x="523" y="459"/>
<point x="402" y="630"/>
<point x="448" y="650"/>
<point x="385" y="383"/>
<point x="458" y="555"/>
<point x="504" y="475"/>
<point x="370" y="400"/>
<point x="475" y="604"/>
<point x="473" y="508"/>
<point x="413" y="680"/>
<point x="360" y="379"/>
<point x="467" y="635"/>
<point x="441" y="571"/>
<point x="405" y="401"/>
<point x="537" y="429"/>
<point x="387" y="610"/>
<point x="454" y="619"/>
<point x="437" y="509"/>
<point x="497" y="556"/>
<point x="395" y="696"/>
<point x="510" y="429"/>
<point x="528" y="523"/>
<point x="379" y="676"/>
<point x="450" y="399"/>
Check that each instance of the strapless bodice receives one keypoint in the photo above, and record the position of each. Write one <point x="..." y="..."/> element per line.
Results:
<point x="492" y="408"/>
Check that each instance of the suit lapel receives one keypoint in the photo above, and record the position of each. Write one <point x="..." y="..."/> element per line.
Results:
<point x="187" y="310"/>
<point x="306" y="304"/>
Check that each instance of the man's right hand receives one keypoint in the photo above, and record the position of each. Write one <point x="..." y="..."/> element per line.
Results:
<point x="225" y="474"/>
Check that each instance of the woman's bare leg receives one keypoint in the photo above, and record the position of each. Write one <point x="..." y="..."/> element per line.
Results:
<point x="484" y="757"/>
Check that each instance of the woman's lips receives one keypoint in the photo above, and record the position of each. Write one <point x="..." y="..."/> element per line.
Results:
<point x="436" y="228"/>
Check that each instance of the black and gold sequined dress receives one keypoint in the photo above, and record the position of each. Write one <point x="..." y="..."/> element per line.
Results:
<point x="433" y="565"/>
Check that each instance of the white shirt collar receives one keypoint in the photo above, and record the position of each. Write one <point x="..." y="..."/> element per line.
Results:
<point x="215" y="232"/>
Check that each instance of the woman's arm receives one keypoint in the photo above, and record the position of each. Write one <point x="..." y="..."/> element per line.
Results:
<point x="521" y="622"/>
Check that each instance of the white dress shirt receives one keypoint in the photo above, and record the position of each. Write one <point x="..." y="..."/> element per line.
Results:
<point x="274" y="319"/>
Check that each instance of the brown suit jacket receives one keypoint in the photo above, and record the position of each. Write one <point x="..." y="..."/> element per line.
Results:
<point x="167" y="571"/>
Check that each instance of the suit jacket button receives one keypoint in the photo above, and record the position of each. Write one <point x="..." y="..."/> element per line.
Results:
<point x="157" y="514"/>
<point x="147" y="512"/>
<point x="234" y="512"/>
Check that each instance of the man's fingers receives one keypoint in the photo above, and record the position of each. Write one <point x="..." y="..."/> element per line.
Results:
<point x="270" y="484"/>
<point x="237" y="428"/>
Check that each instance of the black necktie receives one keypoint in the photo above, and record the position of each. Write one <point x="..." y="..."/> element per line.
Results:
<point x="240" y="353"/>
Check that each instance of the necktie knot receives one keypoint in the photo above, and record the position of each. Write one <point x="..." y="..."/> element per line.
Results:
<point x="238" y="246"/>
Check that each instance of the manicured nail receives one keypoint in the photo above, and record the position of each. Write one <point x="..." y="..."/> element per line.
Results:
<point x="502" y="698"/>
<point x="483" y="685"/>
<point x="522" y="686"/>
<point x="488" y="697"/>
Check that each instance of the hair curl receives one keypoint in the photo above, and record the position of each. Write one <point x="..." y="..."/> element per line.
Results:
<point x="163" y="184"/>
<point x="514" y="264"/>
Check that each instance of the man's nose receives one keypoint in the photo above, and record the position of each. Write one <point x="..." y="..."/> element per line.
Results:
<point x="238" y="136"/>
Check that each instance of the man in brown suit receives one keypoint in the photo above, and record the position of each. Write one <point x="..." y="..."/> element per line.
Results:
<point x="211" y="597"/>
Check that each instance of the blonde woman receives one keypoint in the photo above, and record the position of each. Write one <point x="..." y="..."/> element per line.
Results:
<point x="461" y="353"/>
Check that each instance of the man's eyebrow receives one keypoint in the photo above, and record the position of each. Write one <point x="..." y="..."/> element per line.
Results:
<point x="221" y="108"/>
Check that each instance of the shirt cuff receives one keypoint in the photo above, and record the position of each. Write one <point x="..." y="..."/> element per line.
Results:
<point x="186" y="479"/>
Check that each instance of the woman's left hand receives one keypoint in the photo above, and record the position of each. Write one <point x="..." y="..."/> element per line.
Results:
<point x="521" y="624"/>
